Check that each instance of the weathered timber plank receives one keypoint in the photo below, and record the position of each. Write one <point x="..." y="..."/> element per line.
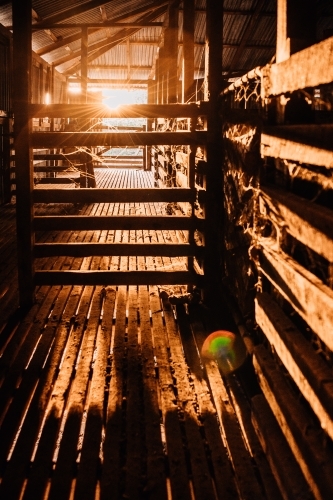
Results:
<point x="120" y="249"/>
<point x="309" y="448"/>
<point x="175" y="447"/>
<point x="246" y="480"/>
<point x="86" y="482"/>
<point x="137" y="195"/>
<point x="72" y="277"/>
<point x="63" y="473"/>
<point x="43" y="375"/>
<point x="111" y="472"/>
<point x="13" y="411"/>
<point x="206" y="414"/>
<point x="309" y="223"/>
<point x="279" y="143"/>
<point x="136" y="455"/>
<point x="128" y="222"/>
<point x="310" y="67"/>
<point x="313" y="378"/>
<point x="243" y="412"/>
<point x="286" y="471"/>
<point x="156" y="474"/>
<point x="11" y="347"/>
<point x="75" y="316"/>
<point x="223" y="475"/>
<point x="123" y="111"/>
<point x="305" y="292"/>
<point x="50" y="140"/>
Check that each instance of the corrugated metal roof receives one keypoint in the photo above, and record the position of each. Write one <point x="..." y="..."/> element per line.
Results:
<point x="62" y="46"/>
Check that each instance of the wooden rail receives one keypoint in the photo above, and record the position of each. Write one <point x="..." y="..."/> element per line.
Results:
<point x="310" y="67"/>
<point x="123" y="111"/>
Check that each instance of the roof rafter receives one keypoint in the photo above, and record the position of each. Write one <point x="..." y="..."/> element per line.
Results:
<point x="71" y="12"/>
<point x="73" y="38"/>
<point x="100" y="48"/>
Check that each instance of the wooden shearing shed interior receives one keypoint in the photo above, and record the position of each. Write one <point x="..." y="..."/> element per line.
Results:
<point x="166" y="250"/>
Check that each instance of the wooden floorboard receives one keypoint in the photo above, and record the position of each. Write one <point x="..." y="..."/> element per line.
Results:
<point x="102" y="392"/>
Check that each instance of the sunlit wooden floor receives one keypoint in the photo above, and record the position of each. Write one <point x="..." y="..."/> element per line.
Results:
<point x="102" y="390"/>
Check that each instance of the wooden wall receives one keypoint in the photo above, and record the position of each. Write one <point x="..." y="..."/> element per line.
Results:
<point x="277" y="133"/>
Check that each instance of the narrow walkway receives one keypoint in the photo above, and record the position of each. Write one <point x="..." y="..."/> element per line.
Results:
<point x="103" y="394"/>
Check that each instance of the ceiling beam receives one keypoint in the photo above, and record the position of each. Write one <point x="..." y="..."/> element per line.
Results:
<point x="99" y="25"/>
<point x="111" y="81"/>
<point x="73" y="38"/>
<point x="113" y="41"/>
<point x="71" y="12"/>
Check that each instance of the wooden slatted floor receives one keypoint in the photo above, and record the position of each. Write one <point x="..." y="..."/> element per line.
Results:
<point x="103" y="394"/>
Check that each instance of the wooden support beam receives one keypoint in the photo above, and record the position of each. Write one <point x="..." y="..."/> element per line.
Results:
<point x="114" y="222"/>
<point x="307" y="294"/>
<point x="100" y="25"/>
<point x="66" y="40"/>
<point x="151" y="110"/>
<point x="116" y="278"/>
<point x="23" y="158"/>
<point x="310" y="67"/>
<point x="100" y="48"/>
<point x="296" y="27"/>
<point x="309" y="372"/>
<point x="120" y="249"/>
<point x="309" y="223"/>
<point x="214" y="178"/>
<point x="298" y="143"/>
<point x="84" y="64"/>
<point x="188" y="49"/>
<point x="72" y="11"/>
<point x="135" y="195"/>
<point x="171" y="52"/>
<point x="50" y="140"/>
<point x="308" y="448"/>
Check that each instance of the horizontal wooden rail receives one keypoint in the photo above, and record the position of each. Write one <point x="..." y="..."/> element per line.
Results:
<point x="59" y="156"/>
<point x="307" y="294"/>
<point x="52" y="140"/>
<point x="124" y="111"/>
<point x="309" y="223"/>
<point x="119" y="249"/>
<point x="310" y="67"/>
<point x="303" y="438"/>
<point x="123" y="222"/>
<point x="58" y="180"/>
<point x="284" y="467"/>
<point x="58" y="168"/>
<point x="311" y="144"/>
<point x="98" y="195"/>
<point x="116" y="278"/>
<point x="309" y="372"/>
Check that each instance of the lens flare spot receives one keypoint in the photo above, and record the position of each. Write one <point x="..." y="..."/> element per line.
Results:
<point x="225" y="347"/>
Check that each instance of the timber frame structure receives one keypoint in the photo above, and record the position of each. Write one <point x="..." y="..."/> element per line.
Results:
<point x="26" y="141"/>
<point x="239" y="165"/>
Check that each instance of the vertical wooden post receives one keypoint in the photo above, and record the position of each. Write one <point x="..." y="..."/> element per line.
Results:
<point x="171" y="53"/>
<point x="296" y="30"/>
<point x="23" y="152"/>
<point x="84" y="63"/>
<point x="159" y="76"/>
<point x="213" y="267"/>
<point x="7" y="125"/>
<point x="188" y="49"/>
<point x="296" y="27"/>
<point x="151" y="99"/>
